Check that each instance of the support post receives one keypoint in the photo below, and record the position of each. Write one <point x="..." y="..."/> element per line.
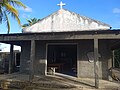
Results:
<point x="32" y="58"/>
<point x="11" y="59"/>
<point x="113" y="57"/>
<point x="96" y="68"/>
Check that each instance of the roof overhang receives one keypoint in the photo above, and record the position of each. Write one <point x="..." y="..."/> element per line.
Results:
<point x="112" y="36"/>
<point x="108" y="34"/>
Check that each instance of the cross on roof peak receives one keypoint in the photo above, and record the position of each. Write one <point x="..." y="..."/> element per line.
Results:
<point x="61" y="4"/>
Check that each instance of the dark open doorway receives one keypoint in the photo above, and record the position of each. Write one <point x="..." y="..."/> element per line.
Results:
<point x="63" y="58"/>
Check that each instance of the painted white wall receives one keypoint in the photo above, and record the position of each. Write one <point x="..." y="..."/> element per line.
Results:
<point x="64" y="20"/>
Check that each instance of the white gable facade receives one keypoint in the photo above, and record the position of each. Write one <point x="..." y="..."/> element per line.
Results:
<point x="65" y="21"/>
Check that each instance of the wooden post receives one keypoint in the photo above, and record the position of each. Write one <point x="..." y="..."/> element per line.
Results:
<point x="32" y="58"/>
<point x="11" y="59"/>
<point x="96" y="68"/>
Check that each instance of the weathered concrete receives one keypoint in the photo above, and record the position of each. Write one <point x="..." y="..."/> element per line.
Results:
<point x="11" y="60"/>
<point x="32" y="59"/>
<point x="25" y="57"/>
<point x="41" y="59"/>
<point x="101" y="34"/>
<point x="86" y="68"/>
<point x="96" y="60"/>
<point x="64" y="20"/>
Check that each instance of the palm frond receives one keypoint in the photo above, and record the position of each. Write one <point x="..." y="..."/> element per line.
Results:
<point x="17" y="3"/>
<point x="25" y="25"/>
<point x="11" y="8"/>
<point x="7" y="22"/>
<point x="30" y="22"/>
<point x="1" y="15"/>
<point x="7" y="7"/>
<point x="16" y="17"/>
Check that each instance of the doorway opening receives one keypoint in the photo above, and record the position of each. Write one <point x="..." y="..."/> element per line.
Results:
<point x="63" y="58"/>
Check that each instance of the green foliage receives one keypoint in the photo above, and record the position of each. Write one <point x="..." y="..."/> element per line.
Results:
<point x="8" y="7"/>
<point x="31" y="22"/>
<point x="117" y="58"/>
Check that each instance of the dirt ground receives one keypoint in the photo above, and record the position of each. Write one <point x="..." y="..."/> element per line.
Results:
<point x="53" y="82"/>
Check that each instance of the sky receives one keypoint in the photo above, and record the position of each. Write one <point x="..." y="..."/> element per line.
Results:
<point x="107" y="11"/>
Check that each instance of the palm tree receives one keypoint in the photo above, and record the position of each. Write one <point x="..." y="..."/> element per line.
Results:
<point x="30" y="22"/>
<point x="7" y="7"/>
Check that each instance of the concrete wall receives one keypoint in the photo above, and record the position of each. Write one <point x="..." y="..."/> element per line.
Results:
<point x="40" y="58"/>
<point x="86" y="68"/>
<point x="64" y="20"/>
<point x="106" y="58"/>
<point x="25" y="57"/>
